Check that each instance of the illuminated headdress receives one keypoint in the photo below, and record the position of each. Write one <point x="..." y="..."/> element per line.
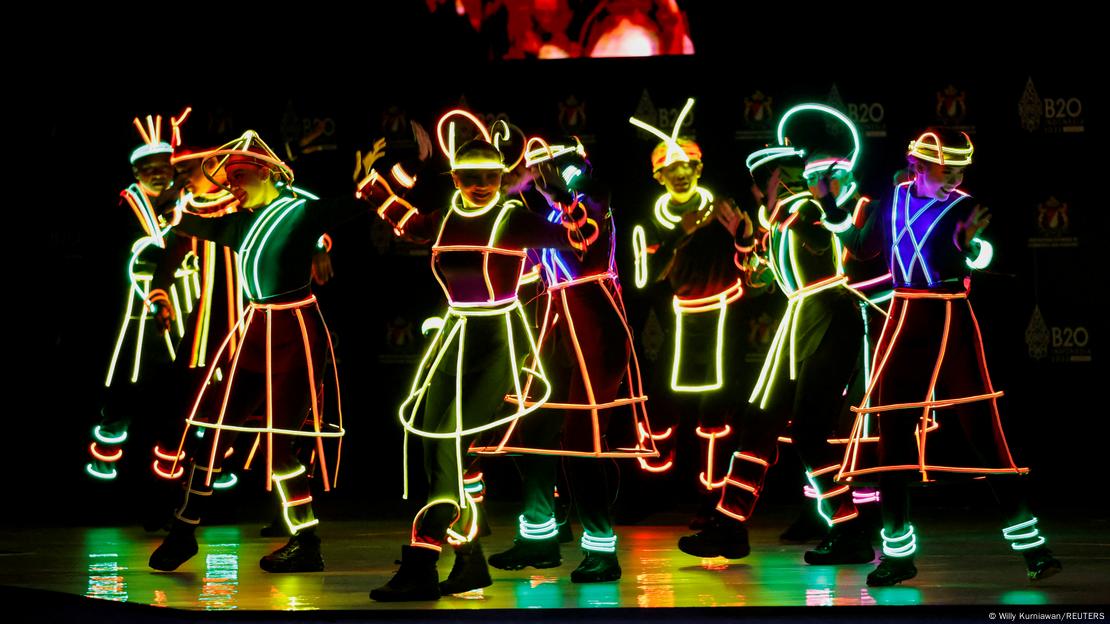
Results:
<point x="249" y="147"/>
<point x="929" y="147"/>
<point x="496" y="135"/>
<point x="672" y="149"/>
<point x="152" y="139"/>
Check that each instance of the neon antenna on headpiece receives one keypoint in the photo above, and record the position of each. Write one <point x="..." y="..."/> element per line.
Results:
<point x="152" y="139"/>
<point x="675" y="153"/>
<point x="500" y="139"/>
<point x="448" y="147"/>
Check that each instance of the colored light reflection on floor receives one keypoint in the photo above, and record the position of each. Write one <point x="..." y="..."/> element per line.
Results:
<point x="111" y="564"/>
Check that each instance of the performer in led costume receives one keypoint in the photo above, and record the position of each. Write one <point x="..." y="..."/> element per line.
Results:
<point x="586" y="346"/>
<point x="820" y="335"/>
<point x="935" y="409"/>
<point x="143" y="347"/>
<point x="483" y="347"/>
<point x="278" y="367"/>
<point x="220" y="303"/>
<point x="700" y="246"/>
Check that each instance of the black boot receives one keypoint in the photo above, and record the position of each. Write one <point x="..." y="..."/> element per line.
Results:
<point x="469" y="571"/>
<point x="535" y="553"/>
<point x="300" y="554"/>
<point x="842" y="545"/>
<point x="722" y="537"/>
<point x="597" y="568"/>
<point x="891" y="571"/>
<point x="808" y="527"/>
<point x="178" y="547"/>
<point x="417" y="578"/>
<point x="1041" y="564"/>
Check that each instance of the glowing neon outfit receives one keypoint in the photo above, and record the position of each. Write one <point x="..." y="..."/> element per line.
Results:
<point x="935" y="409"/>
<point x="819" y="337"/>
<point x="705" y="269"/>
<point x="278" y="368"/>
<point x="141" y="349"/>
<point x="598" y="407"/>
<point x="929" y="360"/>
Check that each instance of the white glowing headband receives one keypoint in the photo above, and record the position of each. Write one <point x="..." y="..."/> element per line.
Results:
<point x="935" y="152"/>
<point x="763" y="156"/>
<point x="150" y="150"/>
<point x="675" y="152"/>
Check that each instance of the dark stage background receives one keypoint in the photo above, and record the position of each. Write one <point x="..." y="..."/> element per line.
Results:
<point x="1037" y="126"/>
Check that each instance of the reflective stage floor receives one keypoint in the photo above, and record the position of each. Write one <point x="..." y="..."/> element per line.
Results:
<point x="963" y="561"/>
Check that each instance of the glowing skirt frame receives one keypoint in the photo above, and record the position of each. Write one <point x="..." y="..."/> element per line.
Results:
<point x="888" y="345"/>
<point x="635" y="399"/>
<point x="258" y="312"/>
<point x="453" y="328"/>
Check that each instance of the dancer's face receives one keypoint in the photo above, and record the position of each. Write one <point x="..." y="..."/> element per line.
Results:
<point x="680" y="179"/>
<point x="937" y="181"/>
<point x="251" y="184"/>
<point x="154" y="172"/>
<point x="478" y="186"/>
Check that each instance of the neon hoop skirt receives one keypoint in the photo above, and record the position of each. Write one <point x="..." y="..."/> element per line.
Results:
<point x="933" y="407"/>
<point x="300" y="337"/>
<point x="627" y="398"/>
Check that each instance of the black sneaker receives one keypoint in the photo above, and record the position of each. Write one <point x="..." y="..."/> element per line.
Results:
<point x="300" y="554"/>
<point x="416" y="579"/>
<point x="469" y="571"/>
<point x="723" y="537"/>
<point x="524" y="553"/>
<point x="891" y="571"/>
<point x="597" y="568"/>
<point x="178" y="547"/>
<point x="842" y="545"/>
<point x="1040" y="564"/>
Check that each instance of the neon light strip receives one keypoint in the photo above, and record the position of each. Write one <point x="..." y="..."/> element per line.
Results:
<point x="861" y="498"/>
<point x="106" y="476"/>
<point x="98" y="454"/>
<point x="280" y="480"/>
<point x="828" y="110"/>
<point x="542" y="531"/>
<point x="706" y="476"/>
<point x="457" y="539"/>
<point x="902" y="546"/>
<point x="109" y="439"/>
<point x="599" y="544"/>
<point x="984" y="257"/>
<point x="936" y="152"/>
<point x="157" y="467"/>
<point x="675" y="153"/>
<point x="226" y="482"/>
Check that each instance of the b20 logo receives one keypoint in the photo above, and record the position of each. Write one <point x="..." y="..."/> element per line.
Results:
<point x="867" y="113"/>
<point x="1060" y="108"/>
<point x="667" y="117"/>
<point x="1070" y="337"/>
